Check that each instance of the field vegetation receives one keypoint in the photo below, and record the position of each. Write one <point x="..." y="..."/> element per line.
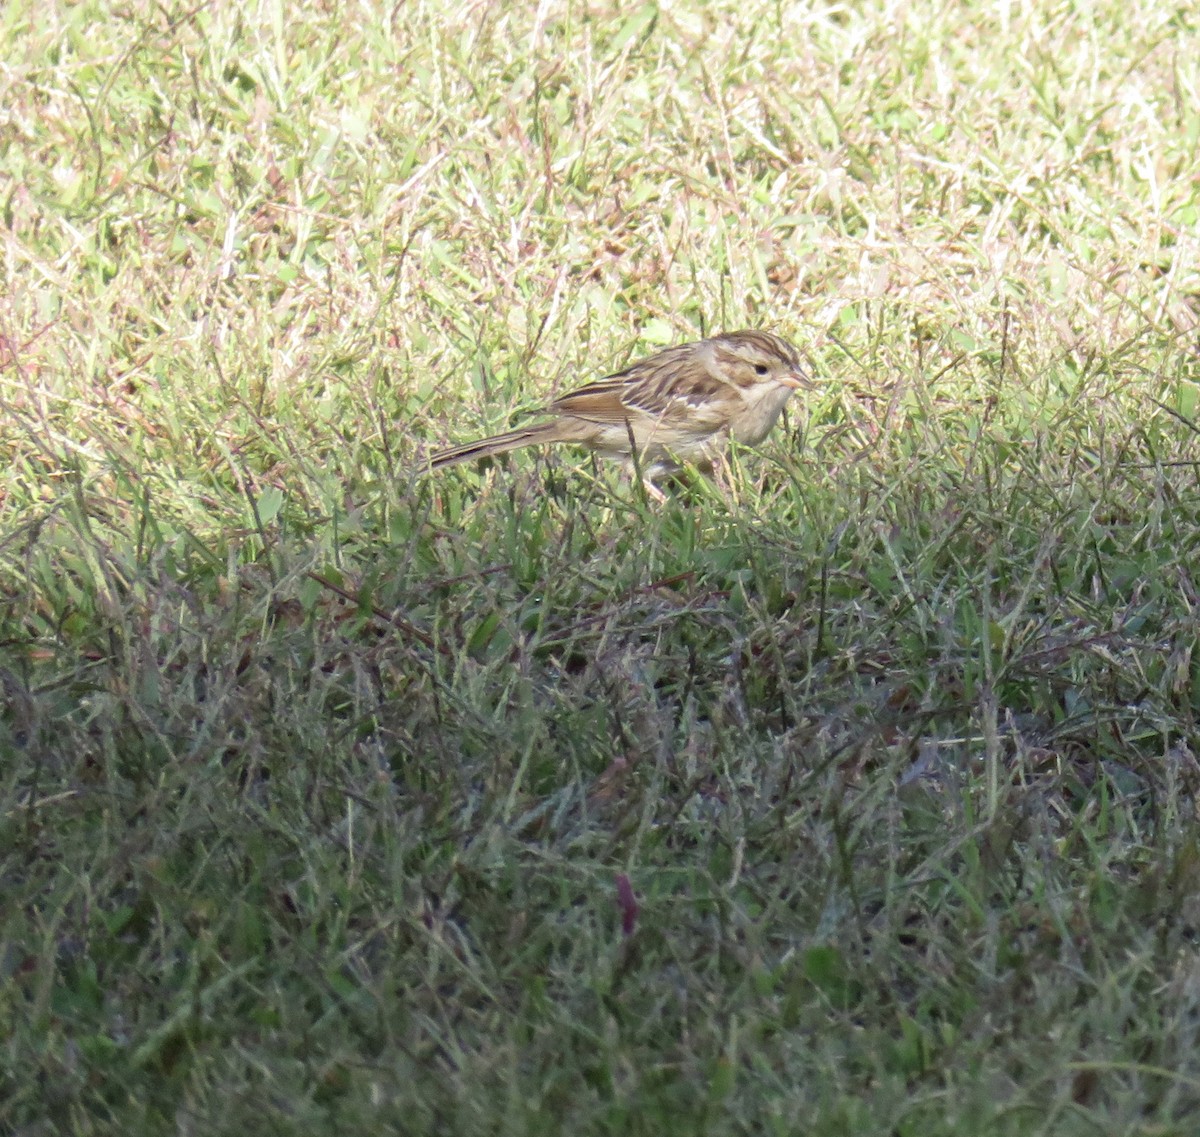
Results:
<point x="856" y="795"/>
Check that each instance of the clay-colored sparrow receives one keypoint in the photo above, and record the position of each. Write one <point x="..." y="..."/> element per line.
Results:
<point x="681" y="403"/>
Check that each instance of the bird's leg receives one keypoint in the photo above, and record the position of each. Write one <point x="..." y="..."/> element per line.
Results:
<point x="715" y="467"/>
<point x="639" y="470"/>
<point x="653" y="492"/>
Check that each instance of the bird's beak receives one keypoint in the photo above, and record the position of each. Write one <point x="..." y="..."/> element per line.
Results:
<point x="798" y="381"/>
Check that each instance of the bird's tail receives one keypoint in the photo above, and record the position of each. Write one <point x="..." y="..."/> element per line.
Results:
<point x="497" y="444"/>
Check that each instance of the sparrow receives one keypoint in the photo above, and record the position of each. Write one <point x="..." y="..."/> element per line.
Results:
<point x="683" y="403"/>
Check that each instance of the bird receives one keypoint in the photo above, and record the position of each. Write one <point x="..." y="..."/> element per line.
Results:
<point x="682" y="403"/>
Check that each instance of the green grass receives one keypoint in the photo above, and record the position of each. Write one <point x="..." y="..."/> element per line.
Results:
<point x="321" y="777"/>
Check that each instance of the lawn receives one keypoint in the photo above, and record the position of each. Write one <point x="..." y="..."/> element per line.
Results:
<point x="855" y="794"/>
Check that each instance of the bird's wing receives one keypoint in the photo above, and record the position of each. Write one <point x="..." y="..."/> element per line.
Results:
<point x="675" y="388"/>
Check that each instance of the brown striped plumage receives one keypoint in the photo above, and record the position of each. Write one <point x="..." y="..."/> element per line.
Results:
<point x="680" y="403"/>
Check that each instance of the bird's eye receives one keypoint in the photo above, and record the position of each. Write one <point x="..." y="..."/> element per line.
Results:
<point x="761" y="369"/>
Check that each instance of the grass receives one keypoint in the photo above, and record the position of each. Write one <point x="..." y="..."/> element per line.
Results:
<point x="334" y="797"/>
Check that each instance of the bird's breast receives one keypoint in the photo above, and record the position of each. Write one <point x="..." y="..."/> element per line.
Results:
<point x="761" y="412"/>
